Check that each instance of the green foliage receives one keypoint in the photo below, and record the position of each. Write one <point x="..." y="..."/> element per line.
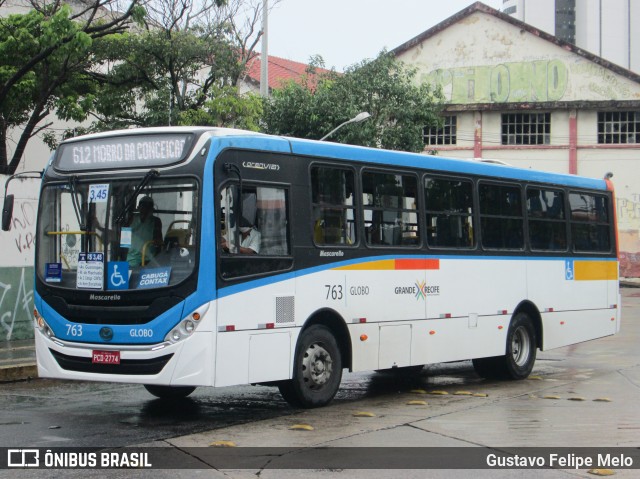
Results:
<point x="156" y="76"/>
<point x="227" y="108"/>
<point x="47" y="66"/>
<point x="384" y="87"/>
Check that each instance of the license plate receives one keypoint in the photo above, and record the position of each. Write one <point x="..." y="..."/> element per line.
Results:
<point x="105" y="357"/>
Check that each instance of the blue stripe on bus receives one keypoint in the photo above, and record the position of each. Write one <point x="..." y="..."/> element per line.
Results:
<point x="246" y="286"/>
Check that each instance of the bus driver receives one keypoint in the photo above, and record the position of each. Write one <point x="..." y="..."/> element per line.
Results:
<point x="145" y="227"/>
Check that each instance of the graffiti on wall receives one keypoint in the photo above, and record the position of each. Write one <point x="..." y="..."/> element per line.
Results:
<point x="16" y="304"/>
<point x="17" y="249"/>
<point x="628" y="211"/>
<point x="543" y="80"/>
<point x="23" y="226"/>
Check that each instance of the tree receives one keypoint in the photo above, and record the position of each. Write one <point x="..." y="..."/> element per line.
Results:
<point x="190" y="56"/>
<point x="384" y="87"/>
<point x="228" y="108"/>
<point x="47" y="65"/>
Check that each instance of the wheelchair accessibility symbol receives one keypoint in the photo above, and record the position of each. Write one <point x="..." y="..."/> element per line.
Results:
<point x="568" y="270"/>
<point x="117" y="275"/>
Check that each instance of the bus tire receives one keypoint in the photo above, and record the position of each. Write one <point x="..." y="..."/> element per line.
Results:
<point x="520" y="355"/>
<point x="169" y="392"/>
<point x="521" y="348"/>
<point x="317" y="369"/>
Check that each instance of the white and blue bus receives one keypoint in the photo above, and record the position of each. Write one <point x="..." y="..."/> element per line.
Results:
<point x="185" y="257"/>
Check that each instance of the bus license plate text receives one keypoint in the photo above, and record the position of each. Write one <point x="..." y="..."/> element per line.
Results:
<point x="105" y="357"/>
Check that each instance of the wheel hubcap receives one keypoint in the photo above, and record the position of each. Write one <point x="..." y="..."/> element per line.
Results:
<point x="317" y="366"/>
<point x="520" y="346"/>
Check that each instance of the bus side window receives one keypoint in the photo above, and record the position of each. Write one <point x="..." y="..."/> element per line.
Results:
<point x="590" y="223"/>
<point x="546" y="220"/>
<point x="449" y="204"/>
<point x="271" y="220"/>
<point x="333" y="206"/>
<point x="390" y="208"/>
<point x="264" y="209"/>
<point x="501" y="216"/>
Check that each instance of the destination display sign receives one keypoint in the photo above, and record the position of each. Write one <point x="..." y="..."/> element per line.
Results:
<point x="130" y="151"/>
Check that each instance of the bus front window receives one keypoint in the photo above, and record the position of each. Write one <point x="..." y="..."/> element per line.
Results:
<point x="97" y="235"/>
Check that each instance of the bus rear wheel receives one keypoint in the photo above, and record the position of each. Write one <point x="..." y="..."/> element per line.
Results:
<point x="520" y="355"/>
<point x="317" y="369"/>
<point x="169" y="392"/>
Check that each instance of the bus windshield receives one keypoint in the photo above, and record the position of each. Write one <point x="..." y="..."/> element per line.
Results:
<point x="117" y="235"/>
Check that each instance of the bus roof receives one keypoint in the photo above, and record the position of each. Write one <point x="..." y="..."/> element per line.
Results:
<point x="340" y="151"/>
<point x="235" y="138"/>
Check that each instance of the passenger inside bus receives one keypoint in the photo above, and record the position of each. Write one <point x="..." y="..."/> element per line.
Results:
<point x="146" y="233"/>
<point x="250" y="239"/>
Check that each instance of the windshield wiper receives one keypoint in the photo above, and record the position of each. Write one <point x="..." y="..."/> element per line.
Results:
<point x="147" y="178"/>
<point x="76" y="204"/>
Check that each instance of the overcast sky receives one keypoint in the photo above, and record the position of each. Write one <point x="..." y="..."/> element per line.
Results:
<point x="345" y="32"/>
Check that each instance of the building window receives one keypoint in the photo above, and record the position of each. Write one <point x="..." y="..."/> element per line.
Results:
<point x="566" y="20"/>
<point x="618" y="127"/>
<point x="526" y="128"/>
<point x="445" y="135"/>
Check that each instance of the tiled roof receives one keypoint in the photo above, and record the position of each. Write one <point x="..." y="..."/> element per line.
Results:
<point x="281" y="71"/>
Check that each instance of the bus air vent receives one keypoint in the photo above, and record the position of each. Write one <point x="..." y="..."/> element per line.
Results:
<point x="285" y="306"/>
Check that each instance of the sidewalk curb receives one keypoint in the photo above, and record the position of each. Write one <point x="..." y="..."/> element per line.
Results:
<point x="18" y="372"/>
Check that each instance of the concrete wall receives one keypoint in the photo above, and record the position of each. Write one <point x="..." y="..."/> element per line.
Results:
<point x="17" y="249"/>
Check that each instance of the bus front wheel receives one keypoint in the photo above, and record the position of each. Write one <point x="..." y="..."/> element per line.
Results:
<point x="520" y="355"/>
<point x="169" y="392"/>
<point x="317" y="369"/>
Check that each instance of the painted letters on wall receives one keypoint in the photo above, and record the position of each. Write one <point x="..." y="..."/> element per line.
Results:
<point x="17" y="249"/>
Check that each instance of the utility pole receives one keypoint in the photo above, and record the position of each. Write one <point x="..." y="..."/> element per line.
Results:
<point x="264" y="56"/>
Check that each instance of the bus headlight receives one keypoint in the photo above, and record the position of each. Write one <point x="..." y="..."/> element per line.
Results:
<point x="187" y="326"/>
<point x="42" y="325"/>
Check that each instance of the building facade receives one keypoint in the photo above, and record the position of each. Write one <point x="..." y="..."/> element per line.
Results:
<point x="519" y="95"/>
<point x="606" y="28"/>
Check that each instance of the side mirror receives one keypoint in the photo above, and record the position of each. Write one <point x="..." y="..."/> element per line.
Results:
<point x="7" y="212"/>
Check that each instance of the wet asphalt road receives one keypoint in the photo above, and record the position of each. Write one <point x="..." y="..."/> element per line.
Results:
<point x="50" y="413"/>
